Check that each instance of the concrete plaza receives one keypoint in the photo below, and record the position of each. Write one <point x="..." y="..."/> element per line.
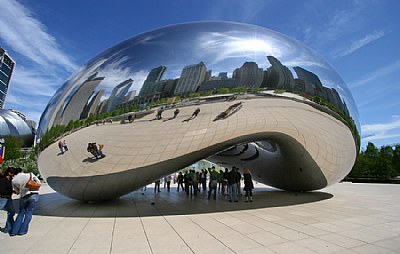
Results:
<point x="343" y="218"/>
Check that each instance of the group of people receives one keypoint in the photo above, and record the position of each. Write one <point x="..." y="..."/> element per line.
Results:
<point x="62" y="145"/>
<point x="14" y="181"/>
<point x="96" y="150"/>
<point x="226" y="182"/>
<point x="160" y="111"/>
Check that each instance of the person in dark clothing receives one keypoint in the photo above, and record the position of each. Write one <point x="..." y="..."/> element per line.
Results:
<point x="157" y="186"/>
<point x="176" y="112"/>
<point x="97" y="152"/>
<point x="213" y="183"/>
<point x="232" y="182"/>
<point x="248" y="185"/>
<point x="159" y="113"/>
<point x="6" y="191"/>
<point x="193" y="116"/>
<point x="180" y="181"/>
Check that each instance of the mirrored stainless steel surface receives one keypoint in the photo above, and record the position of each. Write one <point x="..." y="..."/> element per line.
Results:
<point x="265" y="101"/>
<point x="12" y="124"/>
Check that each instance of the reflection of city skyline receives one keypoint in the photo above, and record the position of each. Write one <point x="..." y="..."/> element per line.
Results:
<point x="86" y="101"/>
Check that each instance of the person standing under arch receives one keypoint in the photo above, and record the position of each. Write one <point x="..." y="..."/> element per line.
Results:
<point x="248" y="185"/>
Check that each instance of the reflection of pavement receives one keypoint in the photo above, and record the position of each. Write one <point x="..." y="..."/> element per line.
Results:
<point x="344" y="218"/>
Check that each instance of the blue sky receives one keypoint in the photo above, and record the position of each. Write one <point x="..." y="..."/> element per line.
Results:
<point x="51" y="39"/>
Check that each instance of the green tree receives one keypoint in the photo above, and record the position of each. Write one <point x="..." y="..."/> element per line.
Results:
<point x="223" y="90"/>
<point x="27" y="163"/>
<point x="396" y="159"/>
<point x="13" y="145"/>
<point x="238" y="90"/>
<point x="360" y="166"/>
<point x="383" y="166"/>
<point x="194" y="95"/>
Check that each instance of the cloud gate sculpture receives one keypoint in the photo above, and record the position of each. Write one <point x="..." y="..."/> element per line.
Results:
<point x="234" y="94"/>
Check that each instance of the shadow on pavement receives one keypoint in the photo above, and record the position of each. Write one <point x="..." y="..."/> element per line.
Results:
<point x="147" y="203"/>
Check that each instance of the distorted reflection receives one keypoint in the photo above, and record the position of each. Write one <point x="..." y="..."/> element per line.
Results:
<point x="180" y="73"/>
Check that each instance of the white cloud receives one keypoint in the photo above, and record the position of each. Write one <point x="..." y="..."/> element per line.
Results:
<point x="28" y="36"/>
<point x="390" y="130"/>
<point x="33" y="84"/>
<point x="41" y="64"/>
<point x="355" y="45"/>
<point x="394" y="124"/>
<point x="115" y="73"/>
<point x="376" y="75"/>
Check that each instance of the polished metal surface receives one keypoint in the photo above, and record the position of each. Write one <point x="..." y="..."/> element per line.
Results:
<point x="13" y="125"/>
<point x="266" y="102"/>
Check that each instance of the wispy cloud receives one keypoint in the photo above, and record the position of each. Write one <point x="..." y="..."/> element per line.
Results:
<point x="376" y="75"/>
<point x="355" y="45"/>
<point x="41" y="63"/>
<point x="390" y="130"/>
<point x="28" y="36"/>
<point x="39" y="85"/>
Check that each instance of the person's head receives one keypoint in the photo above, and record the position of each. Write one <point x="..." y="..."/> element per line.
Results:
<point x="246" y="170"/>
<point x="17" y="171"/>
<point x="9" y="172"/>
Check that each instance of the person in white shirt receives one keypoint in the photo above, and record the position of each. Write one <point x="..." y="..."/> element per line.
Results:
<point x="27" y="202"/>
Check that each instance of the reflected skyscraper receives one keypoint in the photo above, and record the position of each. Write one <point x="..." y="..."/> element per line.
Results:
<point x="7" y="65"/>
<point x="191" y="77"/>
<point x="118" y="94"/>
<point x="75" y="106"/>
<point x="279" y="76"/>
<point x="91" y="107"/>
<point x="154" y="76"/>
<point x="249" y="75"/>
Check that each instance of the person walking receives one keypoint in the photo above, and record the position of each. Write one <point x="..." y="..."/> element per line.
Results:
<point x="168" y="180"/>
<point x="248" y="185"/>
<point x="27" y="201"/>
<point x="65" y="145"/>
<point x="180" y="181"/>
<point x="157" y="186"/>
<point x="6" y="192"/>
<point x="61" y="147"/>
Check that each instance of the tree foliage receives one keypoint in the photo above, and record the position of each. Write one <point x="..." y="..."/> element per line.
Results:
<point x="13" y="145"/>
<point x="382" y="163"/>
